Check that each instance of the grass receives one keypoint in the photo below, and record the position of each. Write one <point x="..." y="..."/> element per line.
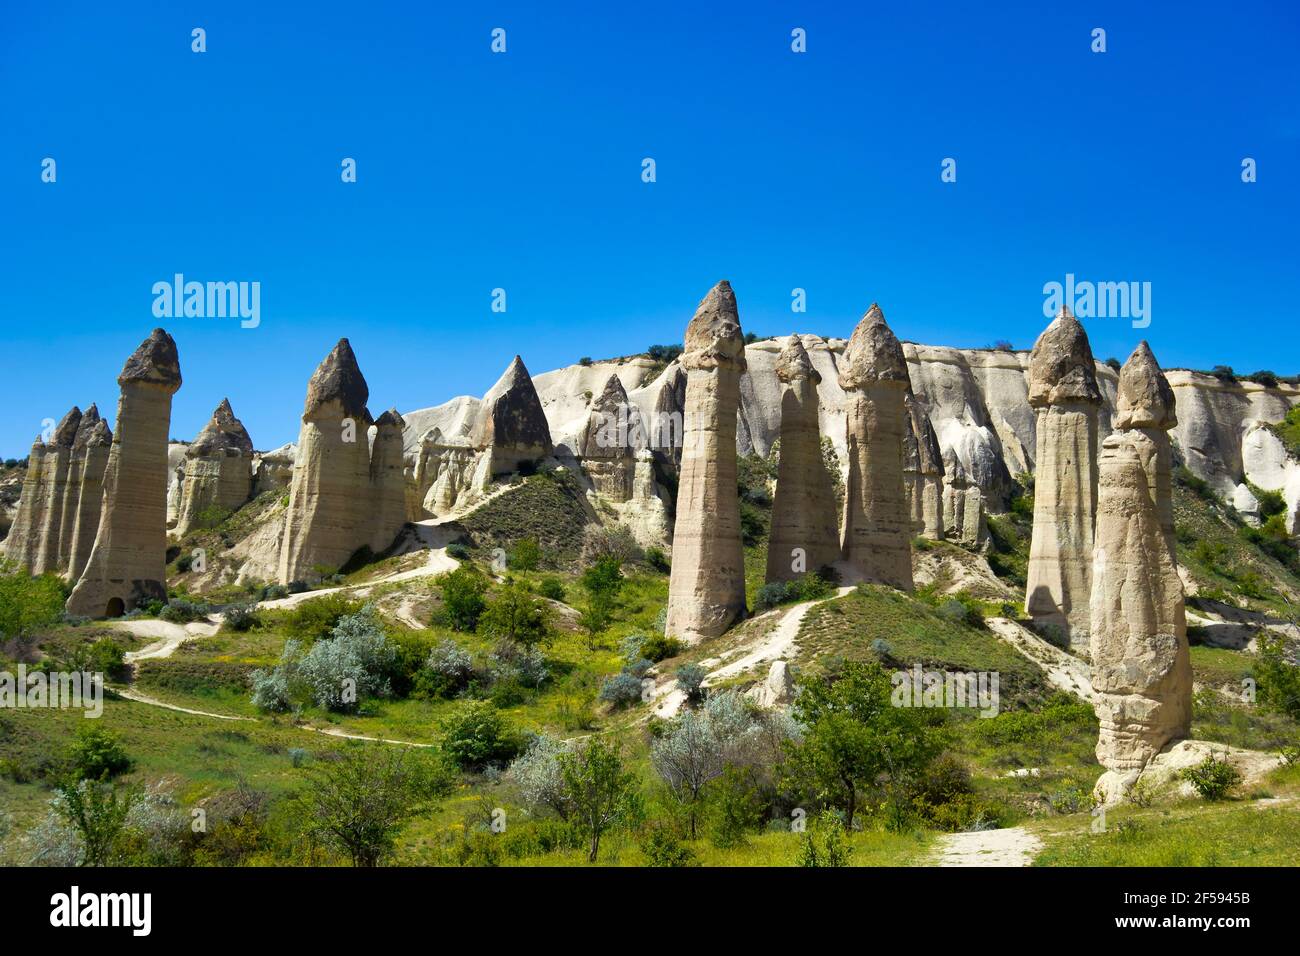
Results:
<point x="912" y="632"/>
<point x="548" y="507"/>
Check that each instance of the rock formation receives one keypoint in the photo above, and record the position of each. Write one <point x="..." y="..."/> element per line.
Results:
<point x="90" y="455"/>
<point x="327" y="520"/>
<point x="512" y="427"/>
<point x="387" y="498"/>
<point x="1063" y="391"/>
<point x="706" y="590"/>
<point x="126" y="565"/>
<point x="25" y="533"/>
<point x="963" y="505"/>
<point x="218" y="470"/>
<point x="777" y="689"/>
<point x="53" y="492"/>
<point x="1141" y="669"/>
<point x="608" y="445"/>
<point x="444" y="472"/>
<point x="922" y="472"/>
<point x="668" y="418"/>
<point x="273" y="470"/>
<point x="803" y="509"/>
<point x="877" y="532"/>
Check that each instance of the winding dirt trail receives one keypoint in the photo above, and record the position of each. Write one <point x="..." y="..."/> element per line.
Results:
<point x="1012" y="846"/>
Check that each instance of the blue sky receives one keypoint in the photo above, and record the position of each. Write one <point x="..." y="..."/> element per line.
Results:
<point x="522" y="171"/>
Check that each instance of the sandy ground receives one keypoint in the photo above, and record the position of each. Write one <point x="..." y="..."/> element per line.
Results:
<point x="168" y="636"/>
<point x="1013" y="846"/>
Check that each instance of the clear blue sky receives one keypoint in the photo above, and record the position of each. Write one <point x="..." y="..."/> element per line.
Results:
<point x="523" y="171"/>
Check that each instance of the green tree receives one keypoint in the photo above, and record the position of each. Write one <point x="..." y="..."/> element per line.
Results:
<point x="462" y="597"/>
<point x="602" y="582"/>
<point x="1278" y="680"/>
<point x="515" y="615"/>
<point x="28" y="603"/>
<point x="97" y="811"/>
<point x="855" y="742"/>
<point x="600" y="790"/>
<point x="525" y="555"/>
<point x="357" y="804"/>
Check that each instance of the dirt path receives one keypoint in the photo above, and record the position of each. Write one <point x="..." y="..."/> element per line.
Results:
<point x="139" y="698"/>
<point x="167" y="636"/>
<point x="1013" y="846"/>
<point x="780" y="642"/>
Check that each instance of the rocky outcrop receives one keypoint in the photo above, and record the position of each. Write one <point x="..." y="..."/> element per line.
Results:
<point x="1141" y="670"/>
<point x="387" y="498"/>
<point x="512" y="427"/>
<point x="273" y="470"/>
<point x="877" y="539"/>
<point x="25" y="533"/>
<point x="444" y="473"/>
<point x="805" y="531"/>
<point x="609" y="441"/>
<point x="1270" y="466"/>
<point x="922" y="472"/>
<point x="963" y="505"/>
<point x="328" y="518"/>
<point x="667" y="422"/>
<point x="126" y="565"/>
<point x="706" y="591"/>
<point x="777" y="689"/>
<point x="90" y="454"/>
<point x="1063" y="392"/>
<point x="218" y="470"/>
<point x="54" y="492"/>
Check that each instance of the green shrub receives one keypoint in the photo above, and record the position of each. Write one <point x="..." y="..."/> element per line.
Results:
<point x="1213" y="778"/>
<point x="551" y="588"/>
<point x="458" y="550"/>
<point x="690" y="681"/>
<point x="241" y="617"/>
<point x="662" y="846"/>
<point x="657" y="559"/>
<point x="658" y="647"/>
<point x="1277" y="679"/>
<point x="97" y="754"/>
<point x="475" y="734"/>
<point x="313" y="620"/>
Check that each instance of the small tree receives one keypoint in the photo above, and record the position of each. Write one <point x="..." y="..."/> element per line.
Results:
<point x="475" y="734"/>
<point x="540" y="780"/>
<point x="28" y="603"/>
<point x="854" y="740"/>
<point x="97" y="811"/>
<point x="526" y="555"/>
<point x="515" y="615"/>
<point x="601" y="791"/>
<point x="358" y="803"/>
<point x="462" y="597"/>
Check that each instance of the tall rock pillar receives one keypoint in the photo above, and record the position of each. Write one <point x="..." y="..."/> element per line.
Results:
<point x="706" y="591"/>
<point x="126" y="566"/>
<point x="329" y="499"/>
<point x="25" y="534"/>
<point x="803" y="510"/>
<point x="54" y="489"/>
<point x="1063" y="391"/>
<point x="93" y="447"/>
<point x="387" y="481"/>
<point x="877" y="526"/>
<point x="1141" y="669"/>
<point x="923" y="472"/>
<point x="218" y="468"/>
